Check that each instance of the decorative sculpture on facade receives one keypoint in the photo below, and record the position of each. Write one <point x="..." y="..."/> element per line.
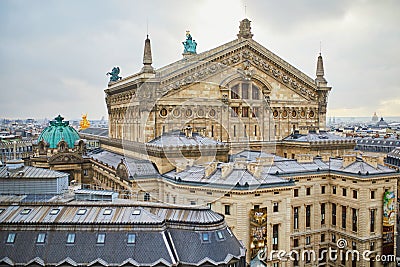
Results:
<point x="114" y="74"/>
<point x="189" y="45"/>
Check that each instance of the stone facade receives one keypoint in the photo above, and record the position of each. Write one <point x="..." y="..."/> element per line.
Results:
<point x="237" y="92"/>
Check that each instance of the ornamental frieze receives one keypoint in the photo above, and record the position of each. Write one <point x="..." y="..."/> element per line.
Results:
<point x="208" y="69"/>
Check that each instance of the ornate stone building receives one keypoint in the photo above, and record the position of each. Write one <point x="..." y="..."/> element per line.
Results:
<point x="240" y="130"/>
<point x="59" y="147"/>
<point x="239" y="92"/>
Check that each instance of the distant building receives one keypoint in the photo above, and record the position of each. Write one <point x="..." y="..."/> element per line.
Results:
<point x="375" y="118"/>
<point x="393" y="158"/>
<point x="18" y="179"/>
<point x="382" y="123"/>
<point x="59" y="147"/>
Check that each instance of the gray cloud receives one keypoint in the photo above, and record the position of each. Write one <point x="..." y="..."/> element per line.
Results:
<point x="54" y="54"/>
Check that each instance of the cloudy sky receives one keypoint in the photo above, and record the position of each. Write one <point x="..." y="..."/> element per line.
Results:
<point x="54" y="54"/>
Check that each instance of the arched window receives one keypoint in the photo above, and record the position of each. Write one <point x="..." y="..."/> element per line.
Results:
<point x="246" y="90"/>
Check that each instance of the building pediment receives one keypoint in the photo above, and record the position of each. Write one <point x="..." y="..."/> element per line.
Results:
<point x="246" y="59"/>
<point x="65" y="158"/>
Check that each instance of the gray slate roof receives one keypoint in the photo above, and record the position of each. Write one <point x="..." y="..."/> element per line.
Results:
<point x="30" y="172"/>
<point x="312" y="137"/>
<point x="178" y="138"/>
<point x="163" y="234"/>
<point x="103" y="132"/>
<point x="139" y="167"/>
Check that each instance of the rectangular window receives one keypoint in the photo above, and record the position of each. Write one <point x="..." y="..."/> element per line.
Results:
<point x="235" y="92"/>
<point x="227" y="210"/>
<point x="85" y="172"/>
<point x="344" y="192"/>
<point x="322" y="237"/>
<point x="11" y="238"/>
<point x="372" y="194"/>
<point x="193" y="203"/>
<point x="308" y="191"/>
<point x="334" y="238"/>
<point x="245" y="90"/>
<point x="234" y="111"/>
<point x="323" y="189"/>
<point x="334" y="190"/>
<point x="296" y="218"/>
<point x="344" y="211"/>
<point x="131" y="238"/>
<point x="355" y="193"/>
<point x="295" y="242"/>
<point x="245" y="112"/>
<point x="354" y="220"/>
<point x="234" y="130"/>
<point x="245" y="131"/>
<point x="333" y="214"/>
<point x="308" y="216"/>
<point x="41" y="238"/>
<point x="71" y="238"/>
<point x="308" y="240"/>
<point x="101" y="238"/>
<point x="255" y="92"/>
<point x="372" y="220"/>
<point x="275" y="207"/>
<point x="255" y="130"/>
<point x="275" y="236"/>
<point x="295" y="192"/>
<point x="322" y="213"/>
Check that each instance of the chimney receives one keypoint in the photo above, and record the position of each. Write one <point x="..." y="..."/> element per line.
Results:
<point x="265" y="161"/>
<point x="240" y="163"/>
<point x="226" y="169"/>
<point x="255" y="169"/>
<point x="348" y="160"/>
<point x="210" y="169"/>
<point x="371" y="160"/>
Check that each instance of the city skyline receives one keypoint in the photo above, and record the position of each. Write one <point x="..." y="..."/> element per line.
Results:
<point x="55" y="55"/>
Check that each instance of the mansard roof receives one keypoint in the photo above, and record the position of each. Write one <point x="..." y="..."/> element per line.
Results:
<point x="161" y="235"/>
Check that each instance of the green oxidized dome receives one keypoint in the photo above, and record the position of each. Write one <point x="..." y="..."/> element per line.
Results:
<point x="57" y="131"/>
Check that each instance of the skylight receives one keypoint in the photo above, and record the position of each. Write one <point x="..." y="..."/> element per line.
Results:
<point x="11" y="238"/>
<point x="101" y="238"/>
<point x="25" y="211"/>
<point x="41" y="238"/>
<point x="81" y="212"/>
<point x="131" y="238"/>
<point x="205" y="237"/>
<point x="54" y="211"/>
<point x="71" y="238"/>
<point x="136" y="212"/>
<point x="107" y="212"/>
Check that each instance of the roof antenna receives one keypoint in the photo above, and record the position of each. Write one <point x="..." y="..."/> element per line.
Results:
<point x="320" y="47"/>
<point x="245" y="11"/>
<point x="147" y="26"/>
